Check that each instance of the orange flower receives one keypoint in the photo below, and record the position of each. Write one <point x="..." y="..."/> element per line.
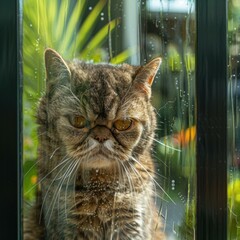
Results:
<point x="34" y="179"/>
<point x="184" y="137"/>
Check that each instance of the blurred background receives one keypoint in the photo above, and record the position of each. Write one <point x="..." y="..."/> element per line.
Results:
<point x="135" y="32"/>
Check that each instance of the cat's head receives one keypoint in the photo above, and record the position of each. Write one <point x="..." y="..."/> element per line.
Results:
<point x="100" y="114"/>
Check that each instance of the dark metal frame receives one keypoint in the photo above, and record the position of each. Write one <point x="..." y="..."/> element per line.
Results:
<point x="10" y="124"/>
<point x="211" y="92"/>
<point x="211" y="120"/>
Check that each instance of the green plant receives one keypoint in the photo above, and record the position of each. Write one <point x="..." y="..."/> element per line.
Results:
<point x="62" y="27"/>
<point x="234" y="208"/>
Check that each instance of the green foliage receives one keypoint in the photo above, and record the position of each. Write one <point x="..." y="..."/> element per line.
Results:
<point x="30" y="180"/>
<point x="62" y="27"/>
<point x="234" y="208"/>
<point x="186" y="230"/>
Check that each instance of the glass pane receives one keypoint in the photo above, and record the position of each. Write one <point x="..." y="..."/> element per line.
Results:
<point x="171" y="32"/>
<point x="233" y="120"/>
<point x="93" y="167"/>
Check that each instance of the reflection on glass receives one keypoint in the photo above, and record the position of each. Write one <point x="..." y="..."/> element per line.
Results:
<point x="133" y="32"/>
<point x="233" y="120"/>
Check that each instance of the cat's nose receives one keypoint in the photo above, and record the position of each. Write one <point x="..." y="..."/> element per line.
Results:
<point x="100" y="139"/>
<point x="101" y="134"/>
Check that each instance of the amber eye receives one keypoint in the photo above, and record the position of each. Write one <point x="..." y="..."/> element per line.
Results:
<point x="79" y="122"/>
<point x="123" y="124"/>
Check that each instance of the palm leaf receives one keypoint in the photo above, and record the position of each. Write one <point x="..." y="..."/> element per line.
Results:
<point x="123" y="56"/>
<point x="60" y="26"/>
<point x="85" y="30"/>
<point x="99" y="38"/>
<point x="71" y="28"/>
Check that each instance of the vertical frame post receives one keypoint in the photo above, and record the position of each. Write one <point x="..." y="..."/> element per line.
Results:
<point x="211" y="91"/>
<point x="10" y="120"/>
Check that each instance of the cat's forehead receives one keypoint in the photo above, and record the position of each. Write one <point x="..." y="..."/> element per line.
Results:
<point x="102" y="86"/>
<point x="102" y="72"/>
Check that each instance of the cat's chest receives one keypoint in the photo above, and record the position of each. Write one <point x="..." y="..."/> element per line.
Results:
<point x="102" y="204"/>
<point x="101" y="211"/>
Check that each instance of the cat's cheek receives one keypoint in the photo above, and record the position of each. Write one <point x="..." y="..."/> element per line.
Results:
<point x="130" y="139"/>
<point x="71" y="136"/>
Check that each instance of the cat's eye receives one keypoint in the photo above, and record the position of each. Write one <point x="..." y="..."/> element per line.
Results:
<point x="123" y="124"/>
<point x="79" y="122"/>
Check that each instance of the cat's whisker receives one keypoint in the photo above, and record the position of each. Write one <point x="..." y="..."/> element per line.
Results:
<point x="56" y="194"/>
<point x="54" y="153"/>
<point x="29" y="170"/>
<point x="128" y="177"/>
<point x="65" y="176"/>
<point x="49" y="187"/>
<point x="36" y="162"/>
<point x="74" y="181"/>
<point x="135" y="160"/>
<point x="121" y="179"/>
<point x="165" y="145"/>
<point x="159" y="128"/>
<point x="131" y="185"/>
<point x="42" y="179"/>
<point x="70" y="175"/>
<point x="157" y="158"/>
<point x="137" y="174"/>
<point x="141" y="181"/>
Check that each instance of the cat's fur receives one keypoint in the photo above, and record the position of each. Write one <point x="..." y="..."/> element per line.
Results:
<point x="96" y="182"/>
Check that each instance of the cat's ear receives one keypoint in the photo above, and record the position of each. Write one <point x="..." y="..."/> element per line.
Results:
<point x="145" y="76"/>
<point x="57" y="69"/>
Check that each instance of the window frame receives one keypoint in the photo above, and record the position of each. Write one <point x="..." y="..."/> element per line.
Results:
<point x="10" y="121"/>
<point x="211" y="95"/>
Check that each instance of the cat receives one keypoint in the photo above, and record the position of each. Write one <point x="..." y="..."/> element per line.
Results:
<point x="95" y="170"/>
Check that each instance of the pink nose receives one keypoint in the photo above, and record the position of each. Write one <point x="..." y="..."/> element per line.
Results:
<point x="101" y="133"/>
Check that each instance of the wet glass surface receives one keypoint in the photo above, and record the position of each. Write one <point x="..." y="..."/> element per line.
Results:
<point x="133" y="32"/>
<point x="171" y="33"/>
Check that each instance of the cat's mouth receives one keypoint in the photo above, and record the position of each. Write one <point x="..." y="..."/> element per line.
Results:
<point x="101" y="154"/>
<point x="102" y="151"/>
<point x="105" y="148"/>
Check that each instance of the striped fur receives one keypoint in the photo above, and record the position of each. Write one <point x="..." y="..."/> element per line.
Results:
<point x="90" y="188"/>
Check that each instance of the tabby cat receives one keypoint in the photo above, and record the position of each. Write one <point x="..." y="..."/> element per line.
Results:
<point x="95" y="171"/>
